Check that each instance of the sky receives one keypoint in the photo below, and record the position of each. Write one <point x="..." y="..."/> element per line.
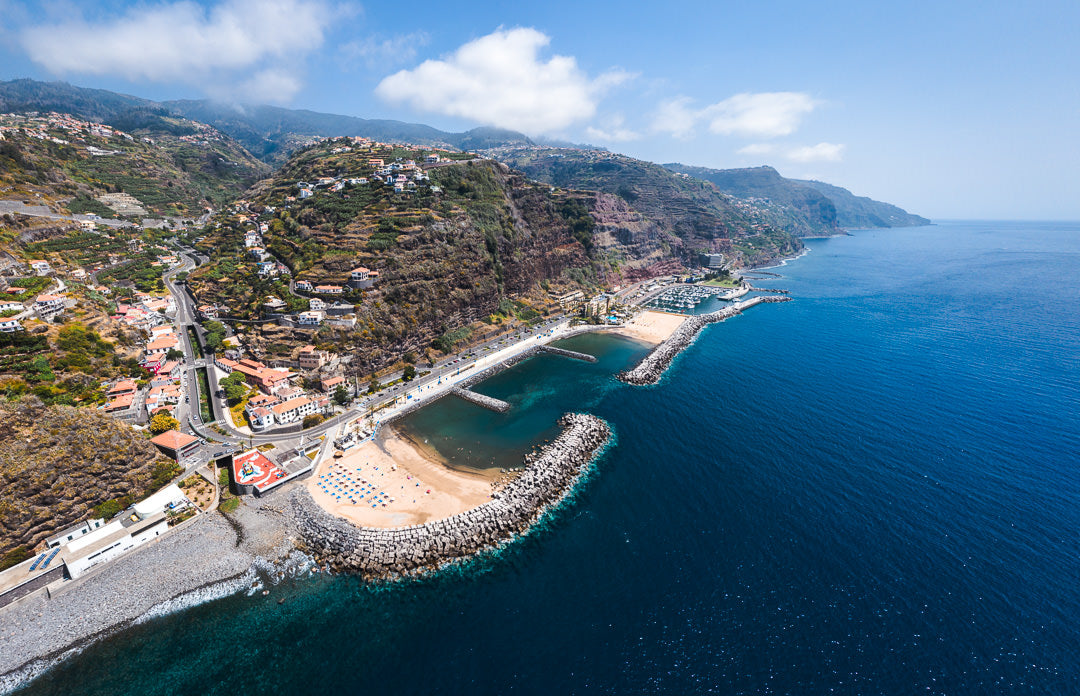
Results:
<point x="951" y="109"/>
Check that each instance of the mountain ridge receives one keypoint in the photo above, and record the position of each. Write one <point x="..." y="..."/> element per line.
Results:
<point x="824" y="205"/>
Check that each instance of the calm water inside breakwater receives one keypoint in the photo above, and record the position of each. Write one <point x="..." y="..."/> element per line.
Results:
<point x="872" y="489"/>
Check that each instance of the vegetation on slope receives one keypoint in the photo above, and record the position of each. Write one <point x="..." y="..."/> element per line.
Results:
<point x="686" y="216"/>
<point x="57" y="464"/>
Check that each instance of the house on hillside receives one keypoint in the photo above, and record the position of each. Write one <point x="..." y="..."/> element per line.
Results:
<point x="362" y="277"/>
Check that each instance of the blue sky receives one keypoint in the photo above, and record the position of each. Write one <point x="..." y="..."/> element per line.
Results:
<point x="949" y="109"/>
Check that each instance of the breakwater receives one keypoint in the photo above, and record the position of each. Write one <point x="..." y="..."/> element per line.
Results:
<point x="568" y="353"/>
<point x="488" y="402"/>
<point x="653" y="365"/>
<point x="375" y="553"/>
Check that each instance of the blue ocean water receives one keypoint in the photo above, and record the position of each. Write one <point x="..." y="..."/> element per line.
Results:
<point x="874" y="489"/>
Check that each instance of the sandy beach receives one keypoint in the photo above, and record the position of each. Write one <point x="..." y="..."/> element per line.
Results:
<point x="652" y="327"/>
<point x="391" y="482"/>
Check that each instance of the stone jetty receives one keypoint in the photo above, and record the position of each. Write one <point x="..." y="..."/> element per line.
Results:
<point x="488" y="402"/>
<point x="567" y="353"/>
<point x="652" y="367"/>
<point x="373" y="553"/>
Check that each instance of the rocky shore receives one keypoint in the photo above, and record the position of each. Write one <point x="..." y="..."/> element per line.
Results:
<point x="374" y="553"/>
<point x="208" y="558"/>
<point x="653" y="366"/>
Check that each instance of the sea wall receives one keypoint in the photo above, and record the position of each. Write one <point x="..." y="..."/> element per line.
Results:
<point x="483" y="400"/>
<point x="653" y="366"/>
<point x="385" y="553"/>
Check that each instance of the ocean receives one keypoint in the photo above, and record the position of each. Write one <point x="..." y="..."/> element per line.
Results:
<point x="870" y="490"/>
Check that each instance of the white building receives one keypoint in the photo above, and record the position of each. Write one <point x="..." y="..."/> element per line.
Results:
<point x="294" y="409"/>
<point x="10" y="326"/>
<point x="108" y="542"/>
<point x="310" y="318"/>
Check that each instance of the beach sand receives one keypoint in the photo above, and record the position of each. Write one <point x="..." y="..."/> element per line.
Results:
<point x="406" y="484"/>
<point x="652" y="327"/>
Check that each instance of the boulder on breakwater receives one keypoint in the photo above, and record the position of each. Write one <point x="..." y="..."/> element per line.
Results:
<point x="386" y="553"/>
<point x="653" y="365"/>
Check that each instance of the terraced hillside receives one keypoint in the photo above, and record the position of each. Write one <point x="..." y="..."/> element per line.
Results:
<point x="57" y="464"/>
<point x="473" y="242"/>
<point x="654" y="213"/>
<point x="177" y="169"/>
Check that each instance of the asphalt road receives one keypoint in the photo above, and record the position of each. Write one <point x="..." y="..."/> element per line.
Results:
<point x="450" y="366"/>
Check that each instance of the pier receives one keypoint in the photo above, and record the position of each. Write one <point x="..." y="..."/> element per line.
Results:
<point x="487" y="402"/>
<point x="568" y="353"/>
<point x="649" y="370"/>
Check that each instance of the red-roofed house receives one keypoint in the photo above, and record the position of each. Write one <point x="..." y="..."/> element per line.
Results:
<point x="120" y="403"/>
<point x="122" y="388"/>
<point x="176" y="444"/>
<point x="294" y="410"/>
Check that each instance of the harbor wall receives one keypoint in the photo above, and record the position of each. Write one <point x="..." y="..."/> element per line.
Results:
<point x="376" y="553"/>
<point x="653" y="365"/>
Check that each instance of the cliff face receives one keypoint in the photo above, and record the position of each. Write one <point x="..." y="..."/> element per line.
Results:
<point x="810" y="212"/>
<point x="480" y="242"/>
<point x="815" y="207"/>
<point x="680" y="215"/>
<point x="58" y="462"/>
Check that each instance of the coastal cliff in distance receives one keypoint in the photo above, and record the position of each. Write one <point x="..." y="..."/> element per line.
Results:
<point x="822" y="206"/>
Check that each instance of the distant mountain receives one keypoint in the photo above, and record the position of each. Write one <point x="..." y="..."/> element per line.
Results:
<point x="815" y="210"/>
<point x="652" y="210"/>
<point x="822" y="206"/>
<point x="855" y="212"/>
<point x="268" y="132"/>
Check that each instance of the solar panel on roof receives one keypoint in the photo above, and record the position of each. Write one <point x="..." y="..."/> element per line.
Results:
<point x="49" y="559"/>
<point x="34" y="565"/>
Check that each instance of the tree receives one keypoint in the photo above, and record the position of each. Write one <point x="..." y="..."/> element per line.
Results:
<point x="234" y="387"/>
<point x="174" y="354"/>
<point x="213" y="341"/>
<point x="409" y="373"/>
<point x="162" y="422"/>
<point x="341" y="395"/>
<point x="373" y="385"/>
<point x="313" y="420"/>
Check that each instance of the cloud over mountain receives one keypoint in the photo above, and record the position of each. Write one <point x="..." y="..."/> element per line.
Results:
<point x="749" y="114"/>
<point x="501" y="79"/>
<point x="254" y="45"/>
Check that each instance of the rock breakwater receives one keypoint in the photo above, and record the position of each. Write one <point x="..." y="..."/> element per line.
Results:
<point x="653" y="365"/>
<point x="483" y="400"/>
<point x="375" y="553"/>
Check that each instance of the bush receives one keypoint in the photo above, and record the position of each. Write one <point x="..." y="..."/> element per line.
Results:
<point x="229" y="505"/>
<point x="313" y="420"/>
<point x="15" y="556"/>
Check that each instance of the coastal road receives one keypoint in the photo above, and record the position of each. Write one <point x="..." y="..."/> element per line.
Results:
<point x="440" y="378"/>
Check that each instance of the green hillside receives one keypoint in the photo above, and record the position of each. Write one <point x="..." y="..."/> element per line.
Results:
<point x="820" y="207"/>
<point x="641" y="202"/>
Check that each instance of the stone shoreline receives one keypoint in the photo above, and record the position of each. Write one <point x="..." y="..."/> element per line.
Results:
<point x="653" y="365"/>
<point x="374" y="553"/>
<point x="204" y="560"/>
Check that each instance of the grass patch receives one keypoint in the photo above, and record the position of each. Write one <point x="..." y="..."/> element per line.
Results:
<point x="204" y="395"/>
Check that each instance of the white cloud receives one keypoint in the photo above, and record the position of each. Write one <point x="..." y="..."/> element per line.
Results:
<point x="757" y="149"/>
<point x="254" y="44"/>
<point x="751" y="115"/>
<point x="614" y="131"/>
<point x="676" y="118"/>
<point x="822" y="152"/>
<point x="375" y="51"/>
<point x="761" y="115"/>
<point x="499" y="79"/>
